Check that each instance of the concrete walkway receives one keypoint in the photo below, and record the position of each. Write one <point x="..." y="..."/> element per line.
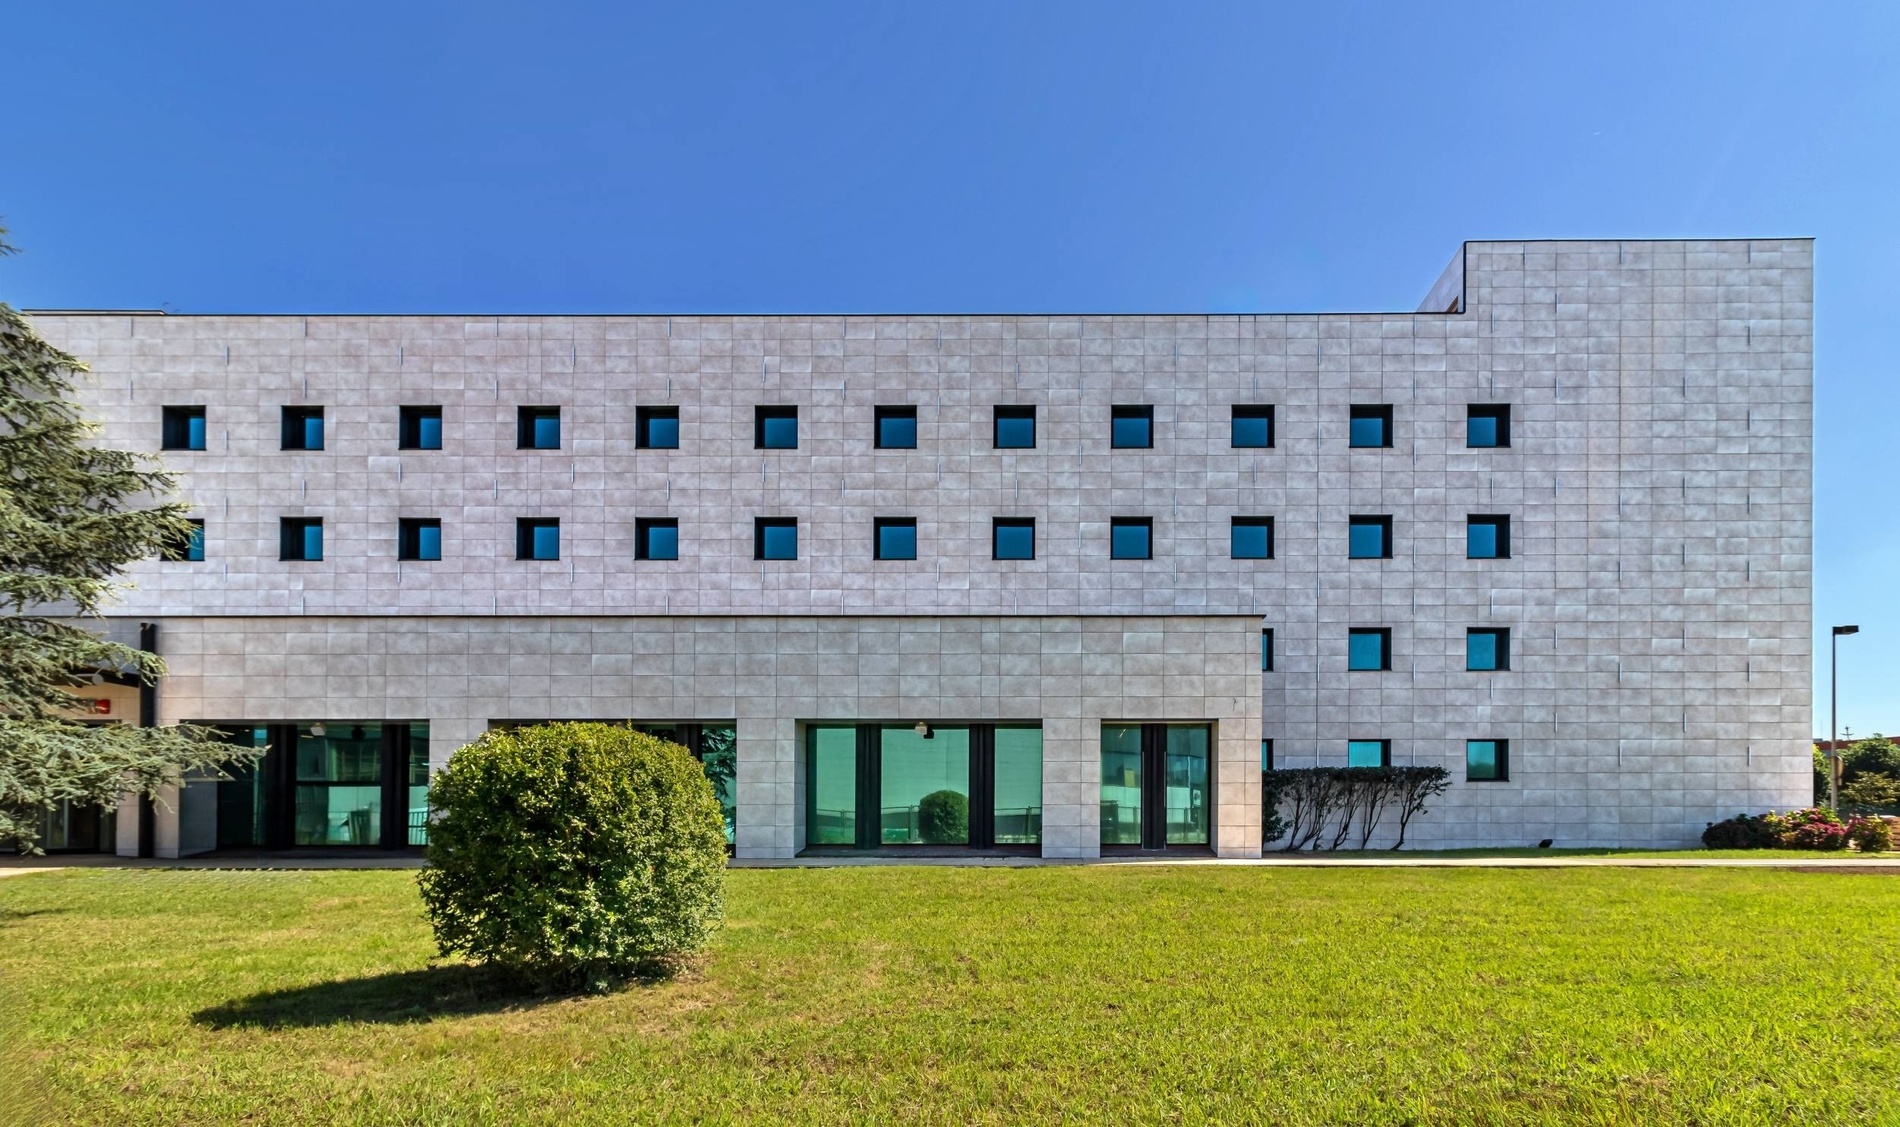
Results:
<point x="1688" y="859"/>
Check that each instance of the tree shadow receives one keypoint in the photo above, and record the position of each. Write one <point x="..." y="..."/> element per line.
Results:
<point x="397" y="998"/>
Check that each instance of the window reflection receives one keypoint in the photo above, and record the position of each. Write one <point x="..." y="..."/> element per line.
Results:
<point x="831" y="785"/>
<point x="925" y="796"/>
<point x="1121" y="784"/>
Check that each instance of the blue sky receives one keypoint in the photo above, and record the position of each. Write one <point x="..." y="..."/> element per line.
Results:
<point x="395" y="157"/>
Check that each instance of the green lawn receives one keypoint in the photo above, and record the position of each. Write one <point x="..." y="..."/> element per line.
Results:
<point x="904" y="995"/>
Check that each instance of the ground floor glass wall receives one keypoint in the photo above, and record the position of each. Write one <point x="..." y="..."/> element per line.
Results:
<point x="1156" y="784"/>
<point x="327" y="784"/>
<point x="874" y="785"/>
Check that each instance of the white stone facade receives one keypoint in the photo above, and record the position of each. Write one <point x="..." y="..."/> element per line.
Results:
<point x="1658" y="483"/>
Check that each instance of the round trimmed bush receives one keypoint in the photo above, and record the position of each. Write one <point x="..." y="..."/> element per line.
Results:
<point x="944" y="816"/>
<point x="575" y="855"/>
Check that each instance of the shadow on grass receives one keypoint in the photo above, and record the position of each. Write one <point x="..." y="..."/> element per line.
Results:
<point x="398" y="998"/>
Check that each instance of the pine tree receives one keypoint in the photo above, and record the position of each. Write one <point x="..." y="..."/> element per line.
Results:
<point x="72" y="515"/>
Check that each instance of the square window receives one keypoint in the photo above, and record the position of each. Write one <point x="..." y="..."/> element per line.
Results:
<point x="1488" y="425"/>
<point x="1488" y="538"/>
<point x="896" y="428"/>
<point x="1015" y="428"/>
<point x="656" y="428"/>
<point x="656" y="538"/>
<point x="1252" y="538"/>
<point x="300" y="539"/>
<point x="1013" y="538"/>
<point x="1369" y="538"/>
<point x="538" y="428"/>
<point x="1487" y="650"/>
<point x="1369" y="649"/>
<point x="1131" y="428"/>
<point x="538" y="538"/>
<point x="1487" y="761"/>
<point x="775" y="538"/>
<point x="419" y="428"/>
<point x="182" y="428"/>
<point x="303" y="428"/>
<point x="1266" y="651"/>
<point x="1253" y="428"/>
<point x="775" y="428"/>
<point x="189" y="548"/>
<point x="1368" y="753"/>
<point x="1131" y="538"/>
<point x="895" y="538"/>
<point x="1371" y="426"/>
<point x="419" y="538"/>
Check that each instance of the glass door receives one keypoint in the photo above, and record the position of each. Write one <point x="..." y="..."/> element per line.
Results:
<point x="1156" y="783"/>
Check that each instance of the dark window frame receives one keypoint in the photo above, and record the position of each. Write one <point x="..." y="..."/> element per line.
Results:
<point x="1360" y="411"/>
<point x="409" y="420"/>
<point x="997" y="524"/>
<point x="645" y="417"/>
<point x="1385" y="751"/>
<point x="1500" y="523"/>
<point x="296" y="428"/>
<point x="643" y="528"/>
<point x="189" y="548"/>
<point x="1501" y="648"/>
<point x="1369" y="520"/>
<point x="525" y="528"/>
<point x="1384" y="634"/>
<point x="1266" y="650"/>
<point x="409" y="539"/>
<point x="1239" y="523"/>
<point x="1146" y="524"/>
<point x="1252" y="412"/>
<point x="174" y="426"/>
<point x="527" y="426"/>
<point x="1500" y="414"/>
<point x="1143" y="412"/>
<point x="293" y="539"/>
<point x="1501" y="761"/>
<point x="879" y="524"/>
<point x="896" y="412"/>
<point x="761" y="414"/>
<point x="759" y="527"/>
<point x="1013" y="414"/>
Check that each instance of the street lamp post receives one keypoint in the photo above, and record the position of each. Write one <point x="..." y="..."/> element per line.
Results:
<point x="1833" y="715"/>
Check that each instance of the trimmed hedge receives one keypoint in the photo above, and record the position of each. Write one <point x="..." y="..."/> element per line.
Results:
<point x="574" y="855"/>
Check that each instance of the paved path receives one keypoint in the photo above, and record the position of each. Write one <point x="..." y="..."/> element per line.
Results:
<point x="1853" y="862"/>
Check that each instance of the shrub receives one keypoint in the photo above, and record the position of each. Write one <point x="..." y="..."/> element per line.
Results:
<point x="574" y="855"/>
<point x="1873" y="789"/>
<point x="944" y="816"/>
<point x="1874" y="756"/>
<point x="1744" y="831"/>
<point x="1870" y="835"/>
<point x="1813" y="828"/>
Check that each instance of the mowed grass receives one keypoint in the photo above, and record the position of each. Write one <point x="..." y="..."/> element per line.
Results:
<point x="936" y="995"/>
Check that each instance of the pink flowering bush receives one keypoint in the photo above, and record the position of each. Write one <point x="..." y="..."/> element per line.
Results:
<point x="1871" y="835"/>
<point x="1816" y="828"/>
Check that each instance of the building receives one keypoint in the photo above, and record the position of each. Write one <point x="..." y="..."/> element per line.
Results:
<point x="1084" y="573"/>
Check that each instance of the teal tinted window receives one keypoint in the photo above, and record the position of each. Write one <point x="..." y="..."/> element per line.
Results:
<point x="1370" y="426"/>
<point x="1488" y="538"/>
<point x="1368" y="753"/>
<point x="656" y="428"/>
<point x="183" y="428"/>
<point x="896" y="428"/>
<point x="1266" y="651"/>
<point x="1121" y="784"/>
<point x="1014" y="538"/>
<point x="303" y="428"/>
<point x="1488" y="425"/>
<point x="775" y="538"/>
<point x="656" y="538"/>
<point x="775" y="428"/>
<point x="1131" y="428"/>
<point x="1015" y="428"/>
<point x="1487" y="650"/>
<point x="1185" y="778"/>
<point x="300" y="538"/>
<point x="718" y="755"/>
<point x="419" y="539"/>
<point x="538" y="428"/>
<point x="1252" y="427"/>
<point x="1369" y="538"/>
<point x="1369" y="649"/>
<point x="831" y="785"/>
<point x="1018" y="806"/>
<point x="338" y="794"/>
<point x="538" y="538"/>
<point x="419" y="428"/>
<point x="896" y="538"/>
<point x="1131" y="538"/>
<point x="1485" y="761"/>
<point x="1252" y="538"/>
<point x="925" y="786"/>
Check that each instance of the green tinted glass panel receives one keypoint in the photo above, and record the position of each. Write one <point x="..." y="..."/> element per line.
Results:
<point x="345" y="753"/>
<point x="1365" y="753"/>
<point x="241" y="797"/>
<point x="719" y="756"/>
<point x="831" y="784"/>
<point x="925" y="788"/>
<point x="1018" y="786"/>
<point x="331" y="815"/>
<point x="1186" y="780"/>
<point x="1121" y="784"/>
